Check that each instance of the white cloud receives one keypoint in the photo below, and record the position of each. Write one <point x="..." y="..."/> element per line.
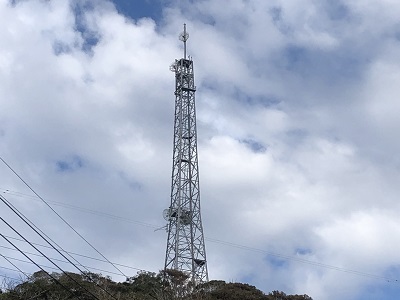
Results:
<point x="297" y="132"/>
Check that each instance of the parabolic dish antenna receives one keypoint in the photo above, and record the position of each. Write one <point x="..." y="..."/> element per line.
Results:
<point x="184" y="36"/>
<point x="167" y="214"/>
<point x="172" y="67"/>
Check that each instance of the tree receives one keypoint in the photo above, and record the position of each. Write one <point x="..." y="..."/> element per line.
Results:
<point x="177" y="285"/>
<point x="166" y="285"/>
<point x="145" y="285"/>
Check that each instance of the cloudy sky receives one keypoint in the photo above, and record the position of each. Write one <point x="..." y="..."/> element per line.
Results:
<point x="297" y="107"/>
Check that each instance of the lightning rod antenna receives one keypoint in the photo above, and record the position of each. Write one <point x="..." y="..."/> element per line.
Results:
<point x="184" y="37"/>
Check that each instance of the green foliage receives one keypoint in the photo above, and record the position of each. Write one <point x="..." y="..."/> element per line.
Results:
<point x="166" y="285"/>
<point x="276" y="295"/>
<point x="144" y="286"/>
<point x="235" y="291"/>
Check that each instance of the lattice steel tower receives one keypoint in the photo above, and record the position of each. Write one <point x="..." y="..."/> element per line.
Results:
<point x="185" y="245"/>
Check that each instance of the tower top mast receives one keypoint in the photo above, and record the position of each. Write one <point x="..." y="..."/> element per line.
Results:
<point x="184" y="37"/>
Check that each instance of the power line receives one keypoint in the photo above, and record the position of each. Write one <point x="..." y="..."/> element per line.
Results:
<point x="81" y="209"/>
<point x="28" y="222"/>
<point x="30" y="262"/>
<point x="36" y="229"/>
<point x="45" y="256"/>
<point x="19" y="194"/>
<point x="52" y="209"/>
<point x="52" y="277"/>
<point x="226" y="243"/>
<point x="59" y="260"/>
<point x="9" y="205"/>
<point x="81" y="255"/>
<point x="16" y="211"/>
<point x="5" y="276"/>
<point x="27" y="276"/>
<point x="305" y="261"/>
<point x="15" y="266"/>
<point x="8" y="269"/>
<point x="19" y="270"/>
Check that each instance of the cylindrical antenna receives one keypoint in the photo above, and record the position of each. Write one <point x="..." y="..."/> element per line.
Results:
<point x="184" y="37"/>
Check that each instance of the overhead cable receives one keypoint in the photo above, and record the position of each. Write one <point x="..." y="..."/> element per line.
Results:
<point x="81" y="255"/>
<point x="52" y="209"/>
<point x="14" y="265"/>
<point x="226" y="243"/>
<point x="37" y="265"/>
<point x="28" y="222"/>
<point x="51" y="261"/>
<point x="60" y="260"/>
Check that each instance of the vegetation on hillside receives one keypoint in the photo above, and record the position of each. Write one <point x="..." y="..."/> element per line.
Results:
<point x="169" y="285"/>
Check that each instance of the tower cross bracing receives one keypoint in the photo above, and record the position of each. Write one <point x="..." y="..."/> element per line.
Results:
<point x="185" y="244"/>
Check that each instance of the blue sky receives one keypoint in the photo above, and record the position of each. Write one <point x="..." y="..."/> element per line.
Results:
<point x="141" y="9"/>
<point x="297" y="124"/>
